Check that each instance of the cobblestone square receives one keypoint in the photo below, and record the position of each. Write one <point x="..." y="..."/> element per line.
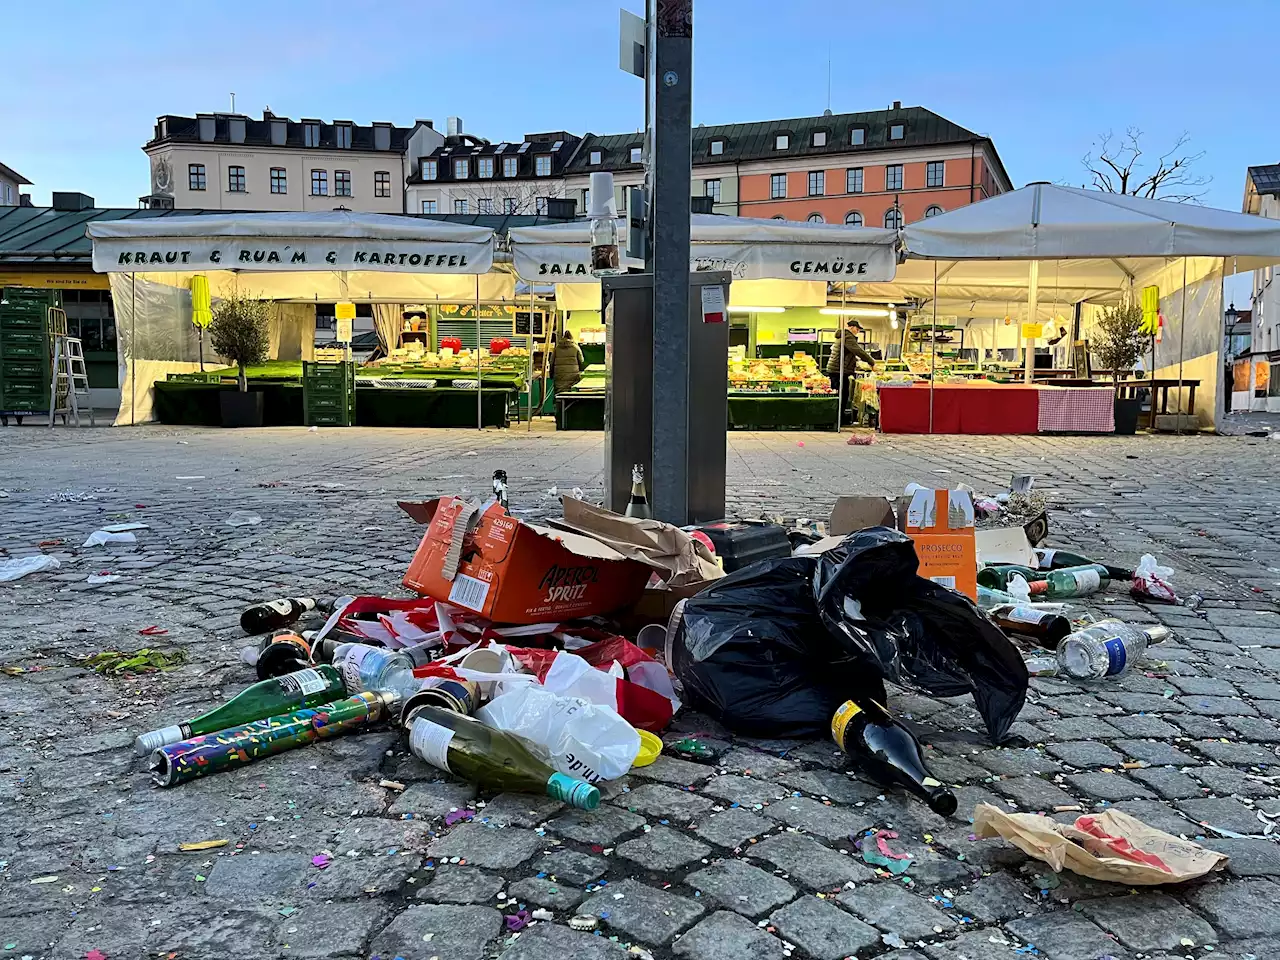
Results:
<point x="749" y="855"/>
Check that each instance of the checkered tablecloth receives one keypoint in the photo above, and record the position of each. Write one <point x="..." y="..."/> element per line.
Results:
<point x="1077" y="410"/>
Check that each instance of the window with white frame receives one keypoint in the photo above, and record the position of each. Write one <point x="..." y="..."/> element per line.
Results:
<point x="596" y="157"/>
<point x="430" y="206"/>
<point x="430" y="170"/>
<point x="342" y="183"/>
<point x="817" y="183"/>
<point x="932" y="210"/>
<point x="540" y="206"/>
<point x="235" y="180"/>
<point x="897" y="131"/>
<point x="484" y="168"/>
<point x="858" y="136"/>
<point x="819" y="138"/>
<point x="777" y="186"/>
<point x="934" y="173"/>
<point x="893" y="219"/>
<point x="510" y="166"/>
<point x="586" y="199"/>
<point x="853" y="180"/>
<point x="382" y="183"/>
<point x="485" y="204"/>
<point x="508" y="205"/>
<point x="853" y="219"/>
<point x="279" y="180"/>
<point x="542" y="165"/>
<point x="319" y="183"/>
<point x="461" y="169"/>
<point x="781" y="141"/>
<point x="195" y="176"/>
<point x="637" y="154"/>
<point x="893" y="176"/>
<point x="717" y="148"/>
<point x="711" y="188"/>
<point x="461" y="206"/>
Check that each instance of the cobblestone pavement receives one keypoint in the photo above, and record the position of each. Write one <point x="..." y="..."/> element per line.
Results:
<point x="746" y="857"/>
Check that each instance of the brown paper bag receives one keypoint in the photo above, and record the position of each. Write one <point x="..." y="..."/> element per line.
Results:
<point x="1110" y="846"/>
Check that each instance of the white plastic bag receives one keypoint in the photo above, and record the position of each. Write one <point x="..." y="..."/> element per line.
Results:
<point x="17" y="567"/>
<point x="1151" y="581"/>
<point x="99" y="537"/>
<point x="580" y="739"/>
<point x="571" y="676"/>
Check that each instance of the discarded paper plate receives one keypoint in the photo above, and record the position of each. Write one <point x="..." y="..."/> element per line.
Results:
<point x="650" y="747"/>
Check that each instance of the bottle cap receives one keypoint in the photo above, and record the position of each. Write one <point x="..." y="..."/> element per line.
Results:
<point x="576" y="793"/>
<point x="1156" y="634"/>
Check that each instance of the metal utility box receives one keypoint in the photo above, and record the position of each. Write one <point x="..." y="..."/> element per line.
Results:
<point x="631" y="381"/>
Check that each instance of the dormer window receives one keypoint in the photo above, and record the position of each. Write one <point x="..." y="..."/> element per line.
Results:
<point x="717" y="148"/>
<point x="781" y="142"/>
<point x="596" y="158"/>
<point x="820" y="138"/>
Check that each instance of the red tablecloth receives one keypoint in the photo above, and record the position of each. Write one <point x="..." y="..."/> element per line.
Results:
<point x="960" y="408"/>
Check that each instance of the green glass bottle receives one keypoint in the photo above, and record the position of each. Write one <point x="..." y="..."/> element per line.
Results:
<point x="1070" y="582"/>
<point x="267" y="698"/>
<point x="1058" y="559"/>
<point x="492" y="759"/>
<point x="996" y="576"/>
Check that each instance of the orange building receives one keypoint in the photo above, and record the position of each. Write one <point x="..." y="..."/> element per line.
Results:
<point x="859" y="168"/>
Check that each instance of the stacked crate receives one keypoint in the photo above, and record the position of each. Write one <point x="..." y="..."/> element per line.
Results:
<point x="328" y="394"/>
<point x="25" y="360"/>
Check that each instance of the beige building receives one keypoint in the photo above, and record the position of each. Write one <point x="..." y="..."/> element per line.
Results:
<point x="11" y="184"/>
<point x="221" y="161"/>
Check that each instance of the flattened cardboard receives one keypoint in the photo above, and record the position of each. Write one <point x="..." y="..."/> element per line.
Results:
<point x="1005" y="545"/>
<point x="854" y="513"/>
<point x="514" y="572"/>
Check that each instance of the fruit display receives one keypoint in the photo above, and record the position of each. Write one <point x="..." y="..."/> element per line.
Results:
<point x="794" y="375"/>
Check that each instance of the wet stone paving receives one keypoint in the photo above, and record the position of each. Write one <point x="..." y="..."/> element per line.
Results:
<point x="750" y="854"/>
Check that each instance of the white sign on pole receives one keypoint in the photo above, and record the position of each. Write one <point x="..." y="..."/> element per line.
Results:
<point x="344" y="330"/>
<point x="631" y="47"/>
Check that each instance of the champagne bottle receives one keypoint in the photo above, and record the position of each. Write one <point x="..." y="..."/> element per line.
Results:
<point x="638" y="505"/>
<point x="234" y="747"/>
<point x="1057" y="559"/>
<point x="492" y="759"/>
<point x="1044" y="627"/>
<point x="274" y="614"/>
<point x="886" y="749"/>
<point x="306" y="688"/>
<point x="281" y="654"/>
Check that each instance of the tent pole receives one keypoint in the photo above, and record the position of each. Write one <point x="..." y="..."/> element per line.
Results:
<point x="479" y="361"/>
<point x="1182" y="332"/>
<point x="933" y="345"/>
<point x="133" y="348"/>
<point x="839" y="344"/>
<point x="529" y="380"/>
<point x="1033" y="316"/>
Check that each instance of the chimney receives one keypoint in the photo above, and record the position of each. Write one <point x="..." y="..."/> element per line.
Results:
<point x="897" y="105"/>
<point x="429" y="124"/>
<point x="72" y="201"/>
<point x="24" y="200"/>
<point x="454" y="128"/>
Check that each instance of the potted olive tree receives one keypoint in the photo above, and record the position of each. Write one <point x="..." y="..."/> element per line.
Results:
<point x="1118" y="340"/>
<point x="239" y="333"/>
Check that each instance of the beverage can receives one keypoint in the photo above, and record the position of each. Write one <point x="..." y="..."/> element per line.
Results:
<point x="456" y="696"/>
<point x="840" y="721"/>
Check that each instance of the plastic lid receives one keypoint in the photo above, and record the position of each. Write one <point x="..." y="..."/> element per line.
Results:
<point x="650" y="748"/>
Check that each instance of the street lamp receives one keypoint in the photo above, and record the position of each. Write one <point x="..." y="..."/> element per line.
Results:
<point x="1232" y="315"/>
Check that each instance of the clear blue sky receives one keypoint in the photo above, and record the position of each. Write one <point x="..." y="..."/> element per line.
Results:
<point x="86" y="81"/>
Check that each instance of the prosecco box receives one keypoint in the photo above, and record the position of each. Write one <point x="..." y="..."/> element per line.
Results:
<point x="940" y="522"/>
<point x="515" y="572"/>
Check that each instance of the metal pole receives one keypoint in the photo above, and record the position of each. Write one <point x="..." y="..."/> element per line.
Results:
<point x="133" y="349"/>
<point x="1182" y="333"/>
<point x="841" y="330"/>
<point x="529" y="376"/>
<point x="933" y="352"/>
<point x="668" y="86"/>
<point x="479" y="360"/>
<point x="1033" y="315"/>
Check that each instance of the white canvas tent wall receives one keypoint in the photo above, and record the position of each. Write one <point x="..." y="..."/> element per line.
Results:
<point x="1100" y="247"/>
<point x="773" y="262"/>
<point x="295" y="257"/>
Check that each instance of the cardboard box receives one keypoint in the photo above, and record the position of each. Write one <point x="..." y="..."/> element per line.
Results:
<point x="941" y="524"/>
<point x="851" y="514"/>
<point x="515" y="572"/>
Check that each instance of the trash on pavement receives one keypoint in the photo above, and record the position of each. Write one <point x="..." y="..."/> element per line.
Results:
<point x="885" y="749"/>
<point x="199" y="756"/>
<point x="741" y="543"/>
<point x="1151" y="581"/>
<point x="1004" y="545"/>
<point x="853" y="513"/>
<point x="650" y="749"/>
<point x="274" y="614"/>
<point x="242" y="518"/>
<point x="875" y="850"/>
<point x="98" y="579"/>
<point x="1110" y="846"/>
<point x="1107" y="648"/>
<point x="941" y="524"/>
<point x="99" y="537"/>
<point x="115" y="662"/>
<point x="14" y="568"/>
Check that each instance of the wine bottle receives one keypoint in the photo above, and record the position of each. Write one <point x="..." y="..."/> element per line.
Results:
<point x="492" y="759"/>
<point x="996" y="576"/>
<point x="1044" y="627"/>
<point x="266" y="698"/>
<point x="199" y="756"/>
<point x="281" y="654"/>
<point x="1070" y="582"/>
<point x="1057" y="559"/>
<point x="887" y="750"/>
<point x="274" y="614"/>
<point x="638" y="505"/>
<point x="500" y="488"/>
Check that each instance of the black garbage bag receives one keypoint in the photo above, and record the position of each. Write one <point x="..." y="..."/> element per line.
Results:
<point x="921" y="635"/>
<point x="752" y="651"/>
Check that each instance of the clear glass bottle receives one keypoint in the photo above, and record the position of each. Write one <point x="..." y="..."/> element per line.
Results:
<point x="605" y="258"/>
<point x="1107" y="648"/>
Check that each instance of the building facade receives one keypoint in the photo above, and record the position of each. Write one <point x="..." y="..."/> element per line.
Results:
<point x="224" y="161"/>
<point x="1262" y="198"/>
<point x="876" y="169"/>
<point x="11" y="184"/>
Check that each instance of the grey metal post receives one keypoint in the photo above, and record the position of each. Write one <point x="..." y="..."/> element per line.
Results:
<point x="668" y="86"/>
<point x="479" y="362"/>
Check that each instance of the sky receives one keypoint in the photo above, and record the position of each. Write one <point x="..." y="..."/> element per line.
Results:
<point x="1042" y="80"/>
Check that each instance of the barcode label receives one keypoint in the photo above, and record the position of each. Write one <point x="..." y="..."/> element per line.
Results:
<point x="948" y="582"/>
<point x="469" y="592"/>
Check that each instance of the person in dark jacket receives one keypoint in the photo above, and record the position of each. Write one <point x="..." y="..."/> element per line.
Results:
<point x="846" y="340"/>
<point x="566" y="363"/>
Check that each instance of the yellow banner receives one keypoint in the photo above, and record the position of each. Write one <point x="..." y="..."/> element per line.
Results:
<point x="86" y="280"/>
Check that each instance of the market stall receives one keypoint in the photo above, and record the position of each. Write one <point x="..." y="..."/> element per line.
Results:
<point x="1058" y="254"/>
<point x="295" y="260"/>
<point x="776" y="266"/>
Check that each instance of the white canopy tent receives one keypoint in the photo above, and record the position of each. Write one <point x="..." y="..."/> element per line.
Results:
<point x="290" y="258"/>
<point x="773" y="262"/>
<point x="1101" y="247"/>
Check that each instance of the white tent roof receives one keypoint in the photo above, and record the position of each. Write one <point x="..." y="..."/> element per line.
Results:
<point x="749" y="247"/>
<point x="1044" y="221"/>
<point x="338" y="240"/>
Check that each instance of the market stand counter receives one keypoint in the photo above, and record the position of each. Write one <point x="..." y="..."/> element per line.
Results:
<point x="982" y="407"/>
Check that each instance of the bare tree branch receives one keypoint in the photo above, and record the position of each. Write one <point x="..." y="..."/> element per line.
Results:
<point x="1116" y="169"/>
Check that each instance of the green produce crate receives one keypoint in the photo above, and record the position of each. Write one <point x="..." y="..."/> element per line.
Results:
<point x="328" y="394"/>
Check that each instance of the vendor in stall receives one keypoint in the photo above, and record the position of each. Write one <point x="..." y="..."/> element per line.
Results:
<point x="847" y="340"/>
<point x="566" y="363"/>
